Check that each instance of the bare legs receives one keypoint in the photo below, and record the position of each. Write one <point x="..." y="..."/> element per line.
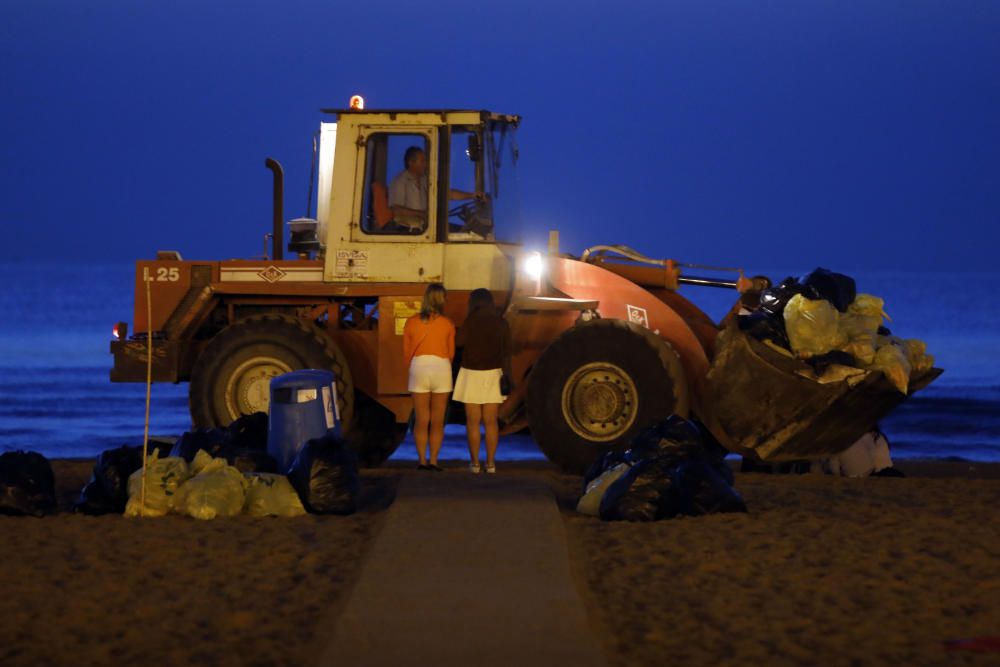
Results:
<point x="492" y="432"/>
<point x="421" y="422"/>
<point x="428" y="425"/>
<point x="439" y="403"/>
<point x="473" y="417"/>
<point x="485" y="414"/>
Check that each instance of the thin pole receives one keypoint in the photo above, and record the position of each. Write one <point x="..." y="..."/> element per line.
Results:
<point x="149" y="386"/>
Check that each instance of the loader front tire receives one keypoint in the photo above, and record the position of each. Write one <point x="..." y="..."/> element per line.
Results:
<point x="597" y="385"/>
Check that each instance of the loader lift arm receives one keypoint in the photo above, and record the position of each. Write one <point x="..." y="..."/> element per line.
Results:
<point x="635" y="266"/>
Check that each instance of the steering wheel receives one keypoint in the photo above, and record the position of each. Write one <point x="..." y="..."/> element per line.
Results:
<point x="463" y="211"/>
<point x="476" y="216"/>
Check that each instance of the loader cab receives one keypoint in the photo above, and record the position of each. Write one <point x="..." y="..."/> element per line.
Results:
<point x="368" y="223"/>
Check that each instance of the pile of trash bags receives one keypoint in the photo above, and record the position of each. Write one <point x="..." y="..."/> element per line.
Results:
<point x="224" y="472"/>
<point x="27" y="485"/>
<point x="822" y="320"/>
<point x="208" y="488"/>
<point x="673" y="468"/>
<point x="107" y="490"/>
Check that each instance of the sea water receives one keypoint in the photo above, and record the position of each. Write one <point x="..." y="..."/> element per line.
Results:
<point x="56" y="397"/>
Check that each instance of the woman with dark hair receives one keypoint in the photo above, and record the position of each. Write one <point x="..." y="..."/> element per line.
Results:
<point x="484" y="359"/>
<point x="428" y="348"/>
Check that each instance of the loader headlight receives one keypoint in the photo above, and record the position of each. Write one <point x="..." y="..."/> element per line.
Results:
<point x="533" y="265"/>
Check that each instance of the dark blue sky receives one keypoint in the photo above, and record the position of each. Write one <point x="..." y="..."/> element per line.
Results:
<point x="763" y="134"/>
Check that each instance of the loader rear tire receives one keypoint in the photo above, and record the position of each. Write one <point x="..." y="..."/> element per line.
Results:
<point x="232" y="375"/>
<point x="597" y="385"/>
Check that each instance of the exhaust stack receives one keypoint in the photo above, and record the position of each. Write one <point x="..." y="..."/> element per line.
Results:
<point x="277" y="233"/>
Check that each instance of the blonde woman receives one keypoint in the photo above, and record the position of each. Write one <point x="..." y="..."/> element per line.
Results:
<point x="485" y="357"/>
<point x="429" y="347"/>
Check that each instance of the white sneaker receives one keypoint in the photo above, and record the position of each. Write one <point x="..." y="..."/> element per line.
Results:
<point x="474" y="468"/>
<point x="490" y="469"/>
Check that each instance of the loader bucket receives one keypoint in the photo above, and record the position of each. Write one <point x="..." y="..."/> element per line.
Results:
<point x="758" y="405"/>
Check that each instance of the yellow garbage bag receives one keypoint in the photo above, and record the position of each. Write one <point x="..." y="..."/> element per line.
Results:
<point x="200" y="460"/>
<point x="218" y="490"/>
<point x="891" y="360"/>
<point x="813" y="326"/>
<point x="916" y="354"/>
<point x="269" y="494"/>
<point x="163" y="478"/>
<point x="860" y="326"/>
<point x="868" y="305"/>
<point x="835" y="373"/>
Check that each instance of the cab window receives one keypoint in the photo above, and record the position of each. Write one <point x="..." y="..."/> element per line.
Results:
<point x="395" y="191"/>
<point x="470" y="213"/>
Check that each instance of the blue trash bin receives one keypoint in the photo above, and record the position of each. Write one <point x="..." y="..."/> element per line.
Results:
<point x="303" y="406"/>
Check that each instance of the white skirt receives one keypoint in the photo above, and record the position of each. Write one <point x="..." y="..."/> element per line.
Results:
<point x="478" y="386"/>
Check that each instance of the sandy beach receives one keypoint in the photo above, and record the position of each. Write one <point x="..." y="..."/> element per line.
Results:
<point x="822" y="571"/>
<point x="108" y="590"/>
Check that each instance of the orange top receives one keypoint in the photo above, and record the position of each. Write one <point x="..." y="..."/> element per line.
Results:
<point x="435" y="336"/>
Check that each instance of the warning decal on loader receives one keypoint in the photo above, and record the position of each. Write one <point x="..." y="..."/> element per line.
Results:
<point x="637" y="315"/>
<point x="352" y="263"/>
<point x="402" y="311"/>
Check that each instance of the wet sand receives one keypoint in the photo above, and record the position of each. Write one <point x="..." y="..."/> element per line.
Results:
<point x="822" y="571"/>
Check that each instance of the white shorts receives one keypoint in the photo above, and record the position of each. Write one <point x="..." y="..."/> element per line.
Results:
<point x="479" y="387"/>
<point x="429" y="374"/>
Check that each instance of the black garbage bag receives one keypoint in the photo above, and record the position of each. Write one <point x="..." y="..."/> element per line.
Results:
<point x="836" y="288"/>
<point x="670" y="437"/>
<point x="665" y="436"/>
<point x="678" y="467"/>
<point x="243" y="444"/>
<point x="107" y="490"/>
<point x="822" y="362"/>
<point x="699" y="488"/>
<point x="676" y="430"/>
<point x="94" y="500"/>
<point x="774" y="299"/>
<point x="214" y="441"/>
<point x="714" y="453"/>
<point x="646" y="440"/>
<point x="679" y="432"/>
<point x="604" y="463"/>
<point x="636" y="495"/>
<point x="325" y="475"/>
<point x="783" y="468"/>
<point x="249" y="432"/>
<point x="250" y="460"/>
<point x="763" y="325"/>
<point x="27" y="485"/>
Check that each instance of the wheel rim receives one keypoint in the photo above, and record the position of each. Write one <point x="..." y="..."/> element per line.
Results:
<point x="599" y="401"/>
<point x="248" y="388"/>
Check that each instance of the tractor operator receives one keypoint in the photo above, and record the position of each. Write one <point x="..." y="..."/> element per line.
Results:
<point x="408" y="191"/>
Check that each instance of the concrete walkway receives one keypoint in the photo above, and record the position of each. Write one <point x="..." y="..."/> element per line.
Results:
<point x="471" y="571"/>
